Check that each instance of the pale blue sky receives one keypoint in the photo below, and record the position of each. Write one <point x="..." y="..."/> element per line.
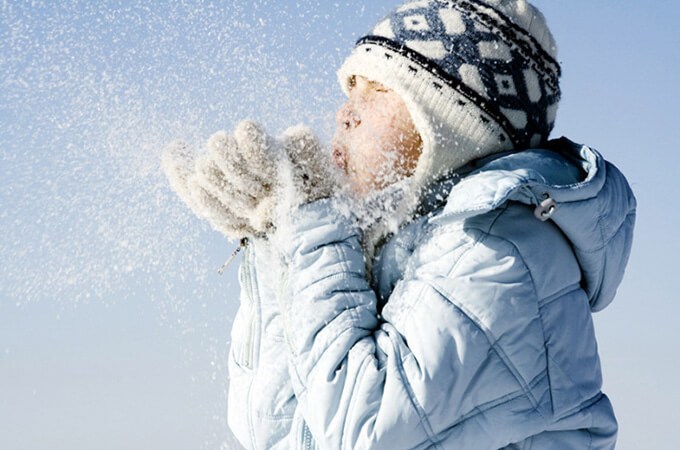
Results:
<point x="113" y="323"/>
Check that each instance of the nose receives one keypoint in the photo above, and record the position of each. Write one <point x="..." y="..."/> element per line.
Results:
<point x="347" y="117"/>
<point x="342" y="117"/>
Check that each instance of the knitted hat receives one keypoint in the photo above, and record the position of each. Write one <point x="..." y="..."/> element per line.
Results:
<point x="477" y="76"/>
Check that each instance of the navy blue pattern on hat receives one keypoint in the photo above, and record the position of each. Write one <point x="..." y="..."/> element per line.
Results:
<point x="488" y="59"/>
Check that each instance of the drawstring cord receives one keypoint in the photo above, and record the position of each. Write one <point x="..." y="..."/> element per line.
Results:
<point x="242" y="244"/>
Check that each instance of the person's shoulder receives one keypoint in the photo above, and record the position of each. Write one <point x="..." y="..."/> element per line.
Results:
<point x="503" y="244"/>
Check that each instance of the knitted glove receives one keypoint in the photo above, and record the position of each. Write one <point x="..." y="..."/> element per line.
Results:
<point x="228" y="185"/>
<point x="307" y="172"/>
<point x="240" y="181"/>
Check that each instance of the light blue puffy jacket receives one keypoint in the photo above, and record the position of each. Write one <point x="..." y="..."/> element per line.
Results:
<point x="476" y="332"/>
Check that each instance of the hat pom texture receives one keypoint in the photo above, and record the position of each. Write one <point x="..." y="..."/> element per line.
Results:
<point x="478" y="77"/>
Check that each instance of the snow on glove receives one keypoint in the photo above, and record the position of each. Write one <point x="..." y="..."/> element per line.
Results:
<point x="307" y="172"/>
<point x="178" y="163"/>
<point x="231" y="185"/>
<point x="240" y="171"/>
<point x="239" y="182"/>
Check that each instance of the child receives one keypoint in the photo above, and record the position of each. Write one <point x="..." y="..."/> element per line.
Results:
<point x="488" y="246"/>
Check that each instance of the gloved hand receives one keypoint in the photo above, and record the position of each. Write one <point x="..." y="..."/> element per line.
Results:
<point x="307" y="171"/>
<point x="242" y="182"/>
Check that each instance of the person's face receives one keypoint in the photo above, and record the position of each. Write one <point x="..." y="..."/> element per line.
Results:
<point x="376" y="143"/>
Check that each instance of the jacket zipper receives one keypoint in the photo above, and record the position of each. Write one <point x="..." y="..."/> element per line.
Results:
<point x="247" y="356"/>
<point x="248" y="350"/>
<point x="307" y="439"/>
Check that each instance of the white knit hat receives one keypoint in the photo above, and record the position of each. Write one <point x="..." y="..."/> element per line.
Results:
<point x="478" y="77"/>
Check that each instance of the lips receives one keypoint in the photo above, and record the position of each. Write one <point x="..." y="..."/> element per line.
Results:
<point x="339" y="155"/>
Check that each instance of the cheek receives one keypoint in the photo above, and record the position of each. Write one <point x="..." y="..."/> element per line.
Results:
<point x="377" y="144"/>
<point x="368" y="148"/>
<point x="392" y="140"/>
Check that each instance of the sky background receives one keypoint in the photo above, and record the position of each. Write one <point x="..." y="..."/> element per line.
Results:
<point x="114" y="325"/>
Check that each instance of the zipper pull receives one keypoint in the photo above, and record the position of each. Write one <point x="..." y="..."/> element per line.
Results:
<point x="242" y="244"/>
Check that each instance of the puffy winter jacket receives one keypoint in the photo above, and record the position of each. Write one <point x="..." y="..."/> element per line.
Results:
<point x="476" y="332"/>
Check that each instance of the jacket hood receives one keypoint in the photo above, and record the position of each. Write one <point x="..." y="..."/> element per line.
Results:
<point x="587" y="197"/>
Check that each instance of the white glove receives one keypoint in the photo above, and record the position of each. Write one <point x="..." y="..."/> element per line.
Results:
<point x="307" y="172"/>
<point x="239" y="183"/>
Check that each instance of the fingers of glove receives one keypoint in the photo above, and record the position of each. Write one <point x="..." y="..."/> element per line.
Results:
<point x="302" y="147"/>
<point x="211" y="178"/>
<point x="256" y="150"/>
<point x="177" y="163"/>
<point x="219" y="215"/>
<point x="310" y="162"/>
<point x="261" y="218"/>
<point x="241" y="174"/>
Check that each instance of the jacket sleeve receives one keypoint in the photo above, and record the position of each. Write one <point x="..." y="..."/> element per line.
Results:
<point x="261" y="401"/>
<point x="428" y="372"/>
